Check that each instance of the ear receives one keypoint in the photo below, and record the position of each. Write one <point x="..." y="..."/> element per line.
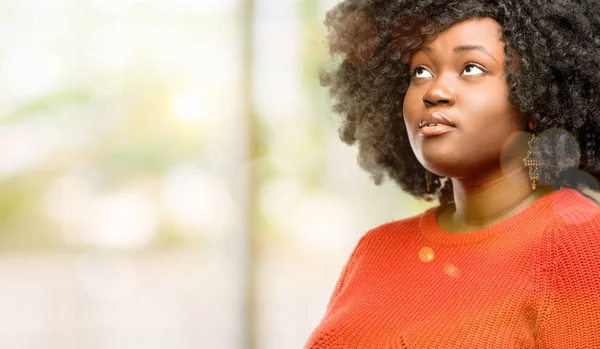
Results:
<point x="531" y="124"/>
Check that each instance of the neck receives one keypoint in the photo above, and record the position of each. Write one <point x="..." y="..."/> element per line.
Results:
<point x="488" y="200"/>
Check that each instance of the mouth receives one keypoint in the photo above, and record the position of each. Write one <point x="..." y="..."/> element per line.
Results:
<point x="435" y="124"/>
<point x="435" y="129"/>
<point x="425" y="123"/>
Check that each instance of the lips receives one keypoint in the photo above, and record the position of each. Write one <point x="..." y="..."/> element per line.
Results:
<point x="434" y="119"/>
<point x="437" y="130"/>
<point x="435" y="124"/>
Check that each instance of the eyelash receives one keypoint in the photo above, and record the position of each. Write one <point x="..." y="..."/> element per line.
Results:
<point x="414" y="70"/>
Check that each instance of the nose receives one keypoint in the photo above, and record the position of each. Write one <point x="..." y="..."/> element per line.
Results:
<point x="441" y="91"/>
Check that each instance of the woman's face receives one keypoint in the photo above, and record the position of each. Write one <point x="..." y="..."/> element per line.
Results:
<point x="461" y="75"/>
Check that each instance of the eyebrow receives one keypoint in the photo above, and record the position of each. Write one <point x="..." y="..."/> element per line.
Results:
<point x="463" y="48"/>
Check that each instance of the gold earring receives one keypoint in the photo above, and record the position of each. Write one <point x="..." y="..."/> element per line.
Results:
<point x="532" y="163"/>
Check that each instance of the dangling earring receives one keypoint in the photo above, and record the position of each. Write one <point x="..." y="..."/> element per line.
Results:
<point x="533" y="163"/>
<point x="428" y="180"/>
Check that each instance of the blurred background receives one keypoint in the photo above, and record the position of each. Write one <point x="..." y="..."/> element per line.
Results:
<point x="171" y="175"/>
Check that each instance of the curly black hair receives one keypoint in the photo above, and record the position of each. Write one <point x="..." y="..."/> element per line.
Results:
<point x="552" y="69"/>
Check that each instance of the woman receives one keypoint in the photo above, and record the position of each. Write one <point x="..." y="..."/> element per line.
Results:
<point x="490" y="107"/>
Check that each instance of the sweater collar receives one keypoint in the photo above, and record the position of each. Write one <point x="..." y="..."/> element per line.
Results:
<point x="540" y="209"/>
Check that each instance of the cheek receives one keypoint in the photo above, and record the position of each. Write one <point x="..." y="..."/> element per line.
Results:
<point x="411" y="107"/>
<point x="492" y="127"/>
<point x="488" y="112"/>
<point x="408" y="102"/>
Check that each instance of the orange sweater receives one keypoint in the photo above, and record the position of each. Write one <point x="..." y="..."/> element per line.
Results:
<point x="531" y="281"/>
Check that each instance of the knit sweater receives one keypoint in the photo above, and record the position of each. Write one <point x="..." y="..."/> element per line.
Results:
<point x="530" y="281"/>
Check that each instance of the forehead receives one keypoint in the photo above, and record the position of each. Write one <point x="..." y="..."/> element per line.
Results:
<point x="486" y="32"/>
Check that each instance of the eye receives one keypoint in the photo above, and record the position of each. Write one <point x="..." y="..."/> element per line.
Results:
<point x="418" y="70"/>
<point x="469" y="67"/>
<point x="414" y="74"/>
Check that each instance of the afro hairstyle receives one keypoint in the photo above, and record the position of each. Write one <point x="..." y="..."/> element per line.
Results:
<point x="552" y="69"/>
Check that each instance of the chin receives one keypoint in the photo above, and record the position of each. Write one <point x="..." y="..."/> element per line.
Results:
<point x="447" y="166"/>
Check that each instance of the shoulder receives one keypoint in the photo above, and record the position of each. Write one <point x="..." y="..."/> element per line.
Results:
<point x="400" y="229"/>
<point x="575" y="232"/>
<point x="569" y="207"/>
<point x="577" y="211"/>
<point x="391" y="236"/>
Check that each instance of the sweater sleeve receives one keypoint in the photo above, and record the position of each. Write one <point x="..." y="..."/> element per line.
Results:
<point x="571" y="318"/>
<point x="347" y="271"/>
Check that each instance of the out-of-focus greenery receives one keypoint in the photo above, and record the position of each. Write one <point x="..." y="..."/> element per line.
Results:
<point x="135" y="96"/>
